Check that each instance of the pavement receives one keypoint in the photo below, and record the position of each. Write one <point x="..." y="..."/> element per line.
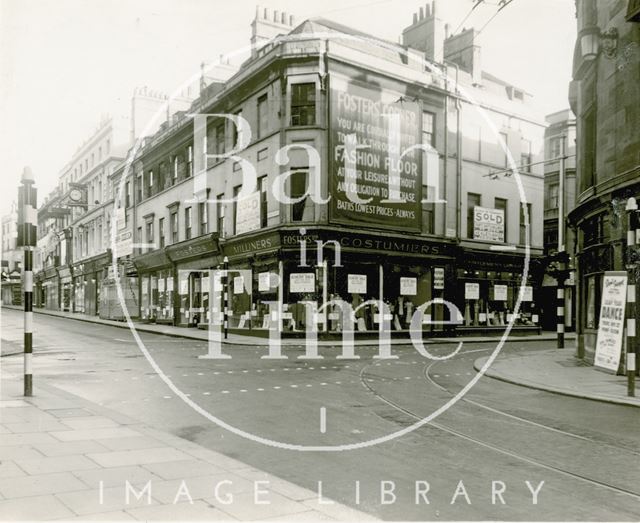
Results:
<point x="561" y="372"/>
<point x="236" y="339"/>
<point x="62" y="457"/>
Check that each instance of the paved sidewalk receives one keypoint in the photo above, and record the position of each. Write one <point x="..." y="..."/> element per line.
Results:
<point x="235" y="339"/>
<point x="56" y="449"/>
<point x="561" y="372"/>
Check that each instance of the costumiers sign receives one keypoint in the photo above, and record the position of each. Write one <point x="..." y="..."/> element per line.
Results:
<point x="612" y="317"/>
<point x="370" y="131"/>
<point x="488" y="224"/>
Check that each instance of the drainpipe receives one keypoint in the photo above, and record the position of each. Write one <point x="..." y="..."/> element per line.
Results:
<point x="458" y="152"/>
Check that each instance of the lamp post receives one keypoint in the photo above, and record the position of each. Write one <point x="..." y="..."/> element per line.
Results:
<point x="225" y="296"/>
<point x="632" y="239"/>
<point x="562" y="273"/>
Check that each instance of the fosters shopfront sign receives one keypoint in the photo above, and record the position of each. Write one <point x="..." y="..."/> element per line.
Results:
<point x="376" y="169"/>
<point x="611" y="324"/>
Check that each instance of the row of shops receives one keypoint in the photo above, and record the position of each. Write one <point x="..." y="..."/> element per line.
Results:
<point x="285" y="266"/>
<point x="296" y="268"/>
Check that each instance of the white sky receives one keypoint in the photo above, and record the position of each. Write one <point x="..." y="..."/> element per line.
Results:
<point x="64" y="63"/>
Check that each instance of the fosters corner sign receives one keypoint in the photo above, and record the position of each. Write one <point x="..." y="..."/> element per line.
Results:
<point x="611" y="324"/>
<point x="376" y="167"/>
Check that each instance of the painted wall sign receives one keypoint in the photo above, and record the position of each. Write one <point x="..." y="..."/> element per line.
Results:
<point x="370" y="129"/>
<point x="612" y="319"/>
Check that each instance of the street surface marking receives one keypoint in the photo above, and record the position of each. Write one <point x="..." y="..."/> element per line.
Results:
<point x="323" y="420"/>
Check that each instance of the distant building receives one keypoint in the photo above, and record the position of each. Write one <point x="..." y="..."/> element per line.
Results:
<point x="562" y="126"/>
<point x="605" y="97"/>
<point x="11" y="259"/>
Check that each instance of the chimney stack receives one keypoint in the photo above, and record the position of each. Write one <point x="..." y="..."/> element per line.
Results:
<point x="463" y="50"/>
<point x="426" y="33"/>
<point x="267" y="25"/>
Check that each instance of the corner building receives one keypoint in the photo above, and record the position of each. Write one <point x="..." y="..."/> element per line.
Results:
<point x="605" y="96"/>
<point x="320" y="106"/>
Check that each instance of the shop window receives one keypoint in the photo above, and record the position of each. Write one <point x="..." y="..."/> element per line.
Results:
<point x="150" y="238"/>
<point x="161" y="232"/>
<point x="187" y="223"/>
<point x="552" y="196"/>
<point x="595" y="230"/>
<point x="263" y="115"/>
<point x="263" y="200"/>
<point x="237" y="132"/>
<point x="428" y="210"/>
<point x="174" y="227"/>
<point x="203" y="214"/>
<point x="429" y="128"/>
<point x="501" y="205"/>
<point x="473" y="200"/>
<point x="593" y="290"/>
<point x="298" y="188"/>
<point x="505" y="156"/>
<point x="524" y="238"/>
<point x="127" y="195"/>
<point x="303" y="104"/>
<point x="220" y="211"/>
<point x="139" y="237"/>
<point x="526" y="157"/>
<point x="590" y="135"/>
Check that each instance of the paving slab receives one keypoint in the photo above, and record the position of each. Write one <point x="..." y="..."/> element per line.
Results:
<point x="338" y="511"/>
<point x="41" y="425"/>
<point x="198" y="511"/>
<point x="35" y="438"/>
<point x="290" y="490"/>
<point x="108" y="499"/>
<point x="204" y="487"/>
<point x="37" y="508"/>
<point x="131" y="443"/>
<point x="41" y="484"/>
<point x="116" y="515"/>
<point x="138" y="457"/>
<point x="8" y="469"/>
<point x="92" y="434"/>
<point x="244" y="507"/>
<point x="19" y="452"/>
<point x="69" y="413"/>
<point x="55" y="464"/>
<point x="68" y="448"/>
<point x="89" y="422"/>
<point x="184" y="469"/>
<point x="116" y="476"/>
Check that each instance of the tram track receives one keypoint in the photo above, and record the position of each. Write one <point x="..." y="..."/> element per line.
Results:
<point x="499" y="449"/>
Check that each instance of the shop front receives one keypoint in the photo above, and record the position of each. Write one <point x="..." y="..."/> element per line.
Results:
<point x="51" y="289"/>
<point x="152" y="268"/>
<point x="360" y="269"/>
<point x="488" y="285"/>
<point x="88" y="276"/>
<point x="184" y="292"/>
<point x="65" y="276"/>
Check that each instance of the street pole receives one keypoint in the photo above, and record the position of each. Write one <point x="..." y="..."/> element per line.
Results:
<point x="632" y="209"/>
<point x="27" y="229"/>
<point x="561" y="247"/>
<point x="225" y="297"/>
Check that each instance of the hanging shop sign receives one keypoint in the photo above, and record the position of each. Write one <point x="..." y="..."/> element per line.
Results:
<point x="372" y="181"/>
<point x="471" y="291"/>
<point x="302" y="282"/>
<point x="488" y="224"/>
<point x="357" y="284"/>
<point x="408" y="286"/>
<point x="500" y="292"/>
<point x="612" y="319"/>
<point x="438" y="277"/>
<point x="248" y="213"/>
